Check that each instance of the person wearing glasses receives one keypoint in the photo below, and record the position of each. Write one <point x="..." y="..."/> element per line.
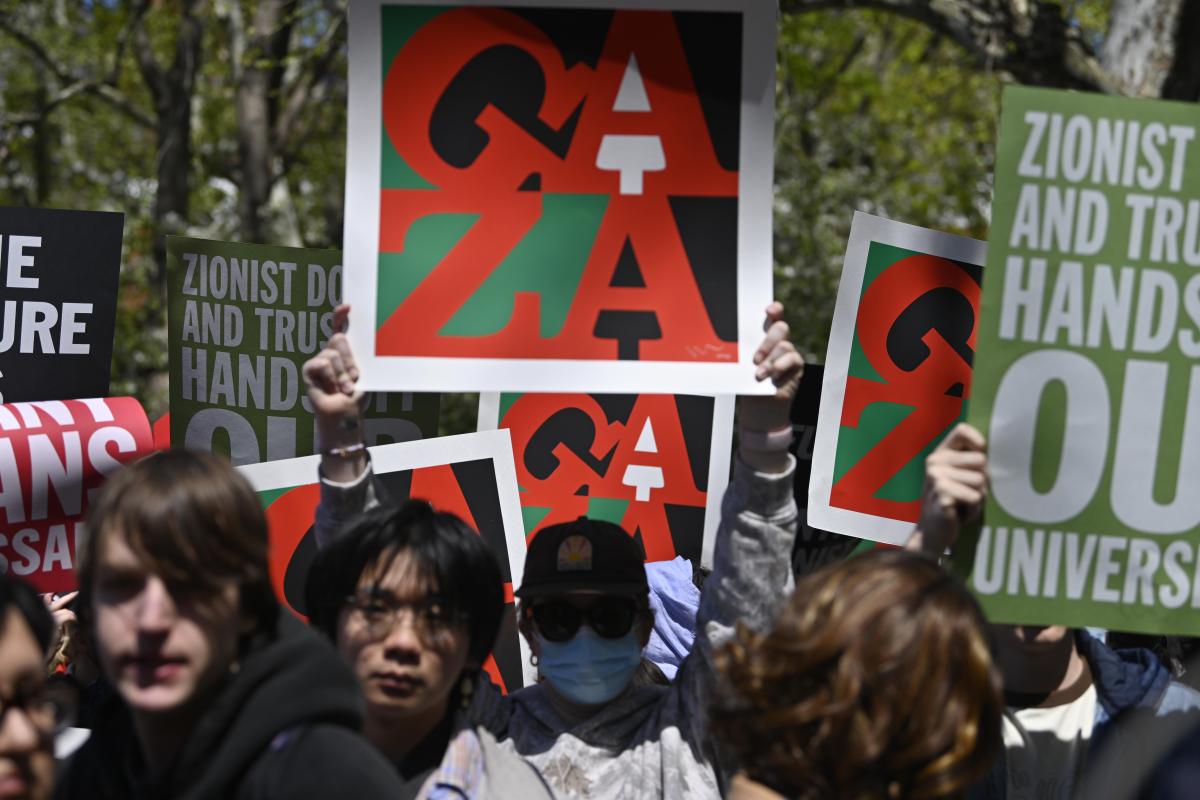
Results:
<point x="28" y="715"/>
<point x="590" y="728"/>
<point x="412" y="599"/>
<point x="218" y="693"/>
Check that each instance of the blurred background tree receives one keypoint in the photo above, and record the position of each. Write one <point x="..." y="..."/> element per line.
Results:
<point x="226" y="119"/>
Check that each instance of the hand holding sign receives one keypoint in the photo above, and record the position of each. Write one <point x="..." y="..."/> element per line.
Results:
<point x="955" y="487"/>
<point x="776" y="359"/>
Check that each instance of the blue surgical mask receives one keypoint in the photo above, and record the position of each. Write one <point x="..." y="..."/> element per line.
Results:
<point x="587" y="668"/>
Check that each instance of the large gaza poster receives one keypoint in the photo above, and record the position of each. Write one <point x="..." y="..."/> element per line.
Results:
<point x="1086" y="384"/>
<point x="657" y="465"/>
<point x="470" y="475"/>
<point x="897" y="374"/>
<point x="556" y="195"/>
<point x="53" y="457"/>
<point x="242" y="320"/>
<point x="58" y="283"/>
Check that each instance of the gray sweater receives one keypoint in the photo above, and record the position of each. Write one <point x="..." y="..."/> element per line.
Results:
<point x="651" y="741"/>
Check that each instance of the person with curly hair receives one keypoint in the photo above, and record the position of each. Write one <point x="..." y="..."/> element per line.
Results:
<point x="876" y="681"/>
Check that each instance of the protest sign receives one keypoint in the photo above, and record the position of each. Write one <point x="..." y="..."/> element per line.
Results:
<point x="53" y="457"/>
<point x="814" y="547"/>
<point x="897" y="373"/>
<point x="1086" y="383"/>
<point x="657" y="465"/>
<point x="242" y="320"/>
<point x="58" y="281"/>
<point x="471" y="476"/>
<point x="560" y="195"/>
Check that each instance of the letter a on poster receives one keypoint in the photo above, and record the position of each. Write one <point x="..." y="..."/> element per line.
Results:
<point x="1086" y="381"/>
<point x="560" y="195"/>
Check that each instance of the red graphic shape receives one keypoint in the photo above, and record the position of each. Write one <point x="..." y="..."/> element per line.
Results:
<point x="566" y="490"/>
<point x="925" y="388"/>
<point x="489" y="188"/>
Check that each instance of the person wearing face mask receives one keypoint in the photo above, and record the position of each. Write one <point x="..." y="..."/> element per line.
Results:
<point x="590" y="728"/>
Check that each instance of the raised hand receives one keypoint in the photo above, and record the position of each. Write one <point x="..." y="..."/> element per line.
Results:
<point x="765" y="421"/>
<point x="956" y="485"/>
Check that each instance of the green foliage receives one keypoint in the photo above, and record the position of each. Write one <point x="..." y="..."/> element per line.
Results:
<point x="878" y="114"/>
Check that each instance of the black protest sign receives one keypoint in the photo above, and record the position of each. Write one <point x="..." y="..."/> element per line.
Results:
<point x="58" y="284"/>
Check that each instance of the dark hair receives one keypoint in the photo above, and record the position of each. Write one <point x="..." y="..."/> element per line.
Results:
<point x="443" y="548"/>
<point x="195" y="522"/>
<point x="876" y="681"/>
<point x="17" y="594"/>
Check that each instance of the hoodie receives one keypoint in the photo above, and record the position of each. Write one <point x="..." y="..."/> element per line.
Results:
<point x="1131" y="686"/>
<point x="651" y="741"/>
<point x="284" y="724"/>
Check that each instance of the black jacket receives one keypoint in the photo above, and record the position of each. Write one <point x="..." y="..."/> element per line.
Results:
<point x="285" y="725"/>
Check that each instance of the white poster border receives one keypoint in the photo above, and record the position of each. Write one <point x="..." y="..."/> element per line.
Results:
<point x="495" y="445"/>
<point x="864" y="230"/>
<point x="754" y="280"/>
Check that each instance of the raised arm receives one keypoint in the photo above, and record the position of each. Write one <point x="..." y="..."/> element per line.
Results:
<point x="332" y="379"/>
<point x="752" y="571"/>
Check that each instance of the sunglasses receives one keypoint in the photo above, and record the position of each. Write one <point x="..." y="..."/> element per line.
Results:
<point x="558" y="620"/>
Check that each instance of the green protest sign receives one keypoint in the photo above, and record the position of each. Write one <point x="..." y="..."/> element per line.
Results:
<point x="242" y="320"/>
<point x="1086" y="383"/>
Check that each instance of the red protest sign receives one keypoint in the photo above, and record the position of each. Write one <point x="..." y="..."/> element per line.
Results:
<point x="54" y="455"/>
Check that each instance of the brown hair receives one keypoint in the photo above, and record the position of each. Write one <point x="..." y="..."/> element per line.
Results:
<point x="194" y="521"/>
<point x="875" y="681"/>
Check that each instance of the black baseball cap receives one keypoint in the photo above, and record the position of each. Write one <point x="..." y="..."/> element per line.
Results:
<point x="583" y="555"/>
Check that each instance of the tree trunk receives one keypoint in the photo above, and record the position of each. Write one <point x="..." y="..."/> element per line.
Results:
<point x="261" y="78"/>
<point x="171" y="91"/>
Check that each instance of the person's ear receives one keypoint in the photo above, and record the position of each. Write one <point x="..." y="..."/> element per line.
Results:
<point x="526" y="629"/>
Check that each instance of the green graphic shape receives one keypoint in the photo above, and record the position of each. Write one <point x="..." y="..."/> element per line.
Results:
<point x="429" y="240"/>
<point x="549" y="261"/>
<point x="398" y="24"/>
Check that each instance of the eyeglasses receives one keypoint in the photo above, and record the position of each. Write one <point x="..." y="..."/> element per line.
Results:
<point x="50" y="709"/>
<point x="378" y="614"/>
<point x="558" y="620"/>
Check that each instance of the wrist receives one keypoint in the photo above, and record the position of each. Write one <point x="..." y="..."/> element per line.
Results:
<point x="341" y="432"/>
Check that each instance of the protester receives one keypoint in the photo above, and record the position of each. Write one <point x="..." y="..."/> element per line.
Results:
<point x="1071" y="700"/>
<point x="412" y="599"/>
<point x="28" y="716"/>
<point x="219" y="695"/>
<point x="876" y="681"/>
<point x="589" y="727"/>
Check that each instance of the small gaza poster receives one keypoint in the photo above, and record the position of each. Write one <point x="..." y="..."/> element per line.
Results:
<point x="242" y="320"/>
<point x="1086" y="383"/>
<point x="657" y="465"/>
<point x="470" y="476"/>
<point x="560" y="195"/>
<point x="897" y="374"/>
<point x="58" y="284"/>
<point x="54" y="455"/>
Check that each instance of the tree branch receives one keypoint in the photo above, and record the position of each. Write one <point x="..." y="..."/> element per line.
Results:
<point x="308" y="86"/>
<point x="1030" y="40"/>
